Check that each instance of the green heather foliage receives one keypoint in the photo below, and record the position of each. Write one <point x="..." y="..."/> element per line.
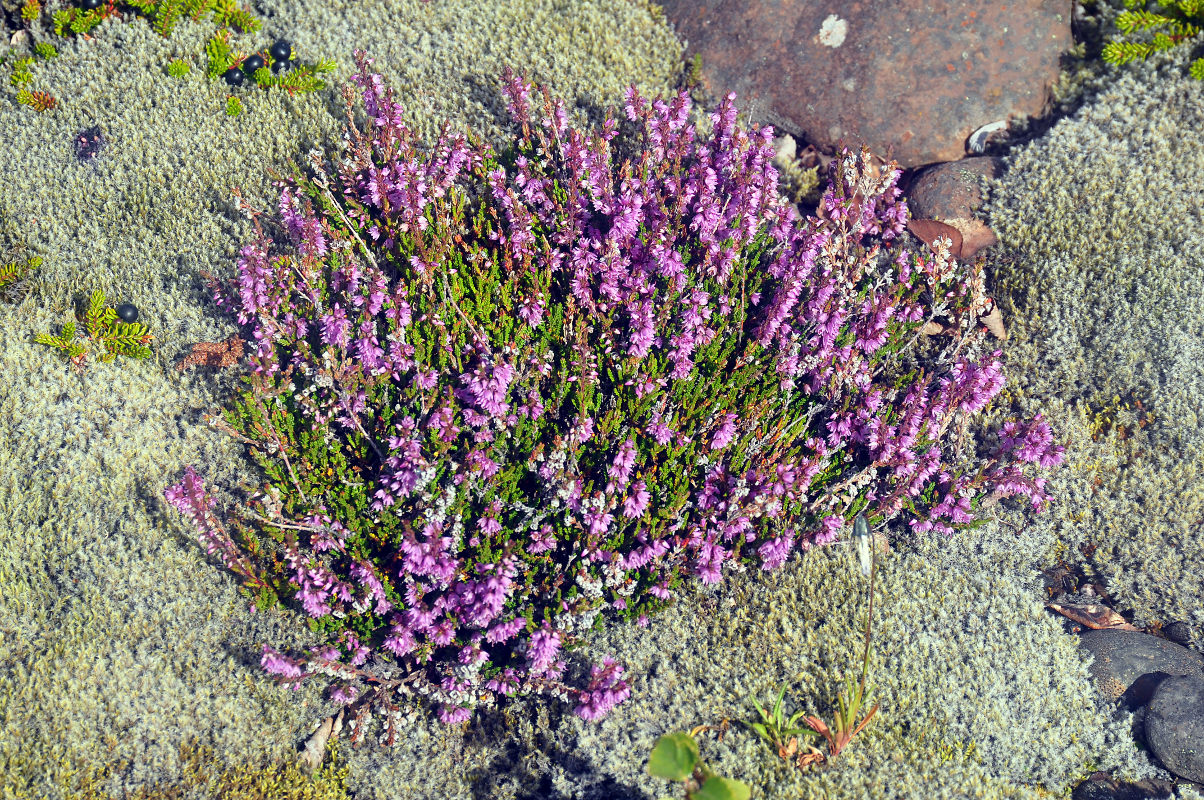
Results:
<point x="117" y="338"/>
<point x="1172" y="24"/>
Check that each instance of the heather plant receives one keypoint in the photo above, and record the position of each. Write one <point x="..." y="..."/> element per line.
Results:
<point x="499" y="398"/>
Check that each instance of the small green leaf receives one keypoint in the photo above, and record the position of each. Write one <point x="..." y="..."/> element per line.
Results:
<point x="777" y="706"/>
<point x="674" y="756"/>
<point x="722" y="789"/>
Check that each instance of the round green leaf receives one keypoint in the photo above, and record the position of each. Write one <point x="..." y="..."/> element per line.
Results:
<point x="674" y="756"/>
<point x="722" y="789"/>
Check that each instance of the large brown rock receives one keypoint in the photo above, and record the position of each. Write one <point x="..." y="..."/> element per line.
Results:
<point x="908" y="79"/>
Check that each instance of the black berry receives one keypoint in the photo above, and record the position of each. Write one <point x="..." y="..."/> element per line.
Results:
<point x="280" y="66"/>
<point x="127" y="312"/>
<point x="91" y="5"/>
<point x="252" y="63"/>
<point x="234" y="76"/>
<point x="281" y="51"/>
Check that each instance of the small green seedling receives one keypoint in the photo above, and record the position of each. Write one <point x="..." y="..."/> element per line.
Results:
<point x="846" y="726"/>
<point x="675" y="757"/>
<point x="780" y="734"/>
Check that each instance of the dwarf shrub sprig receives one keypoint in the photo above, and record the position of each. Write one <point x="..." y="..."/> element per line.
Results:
<point x="100" y="322"/>
<point x="14" y="277"/>
<point x="1172" y="23"/>
<point x="498" y="398"/>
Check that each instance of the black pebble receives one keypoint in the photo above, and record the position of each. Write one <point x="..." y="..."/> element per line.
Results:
<point x="252" y="63"/>
<point x="234" y="76"/>
<point x="127" y="312"/>
<point x="1178" y="632"/>
<point x="89" y="143"/>
<point x="281" y="50"/>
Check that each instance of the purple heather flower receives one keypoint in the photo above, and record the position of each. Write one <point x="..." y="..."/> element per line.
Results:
<point x="453" y="715"/>
<point x="542" y="540"/>
<point x="606" y="690"/>
<point x="726" y="432"/>
<point x="504" y="631"/>
<point x="343" y="694"/>
<point x="636" y="501"/>
<point x="829" y="530"/>
<point x="773" y="553"/>
<point x="542" y="648"/>
<point x="288" y="669"/>
<point x="624" y="460"/>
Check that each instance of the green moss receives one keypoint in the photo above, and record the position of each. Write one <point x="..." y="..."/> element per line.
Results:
<point x="1107" y="327"/>
<point x="203" y="775"/>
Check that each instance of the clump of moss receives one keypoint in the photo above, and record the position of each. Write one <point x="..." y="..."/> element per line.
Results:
<point x="1105" y="316"/>
<point x="204" y="776"/>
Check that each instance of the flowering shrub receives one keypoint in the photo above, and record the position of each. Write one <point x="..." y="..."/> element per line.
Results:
<point x="497" y="395"/>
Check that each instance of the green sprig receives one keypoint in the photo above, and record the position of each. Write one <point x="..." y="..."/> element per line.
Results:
<point x="116" y="338"/>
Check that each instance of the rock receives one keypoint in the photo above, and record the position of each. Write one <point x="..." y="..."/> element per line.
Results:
<point x="1174" y="726"/>
<point x="1179" y="632"/>
<point x="1102" y="786"/>
<point x="911" y="80"/>
<point x="1129" y="665"/>
<point x="950" y="193"/>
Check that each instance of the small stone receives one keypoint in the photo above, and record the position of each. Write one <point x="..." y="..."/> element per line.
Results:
<point x="127" y="312"/>
<point x="1129" y="665"/>
<point x="1179" y="632"/>
<point x="1174" y="726"/>
<point x="947" y="193"/>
